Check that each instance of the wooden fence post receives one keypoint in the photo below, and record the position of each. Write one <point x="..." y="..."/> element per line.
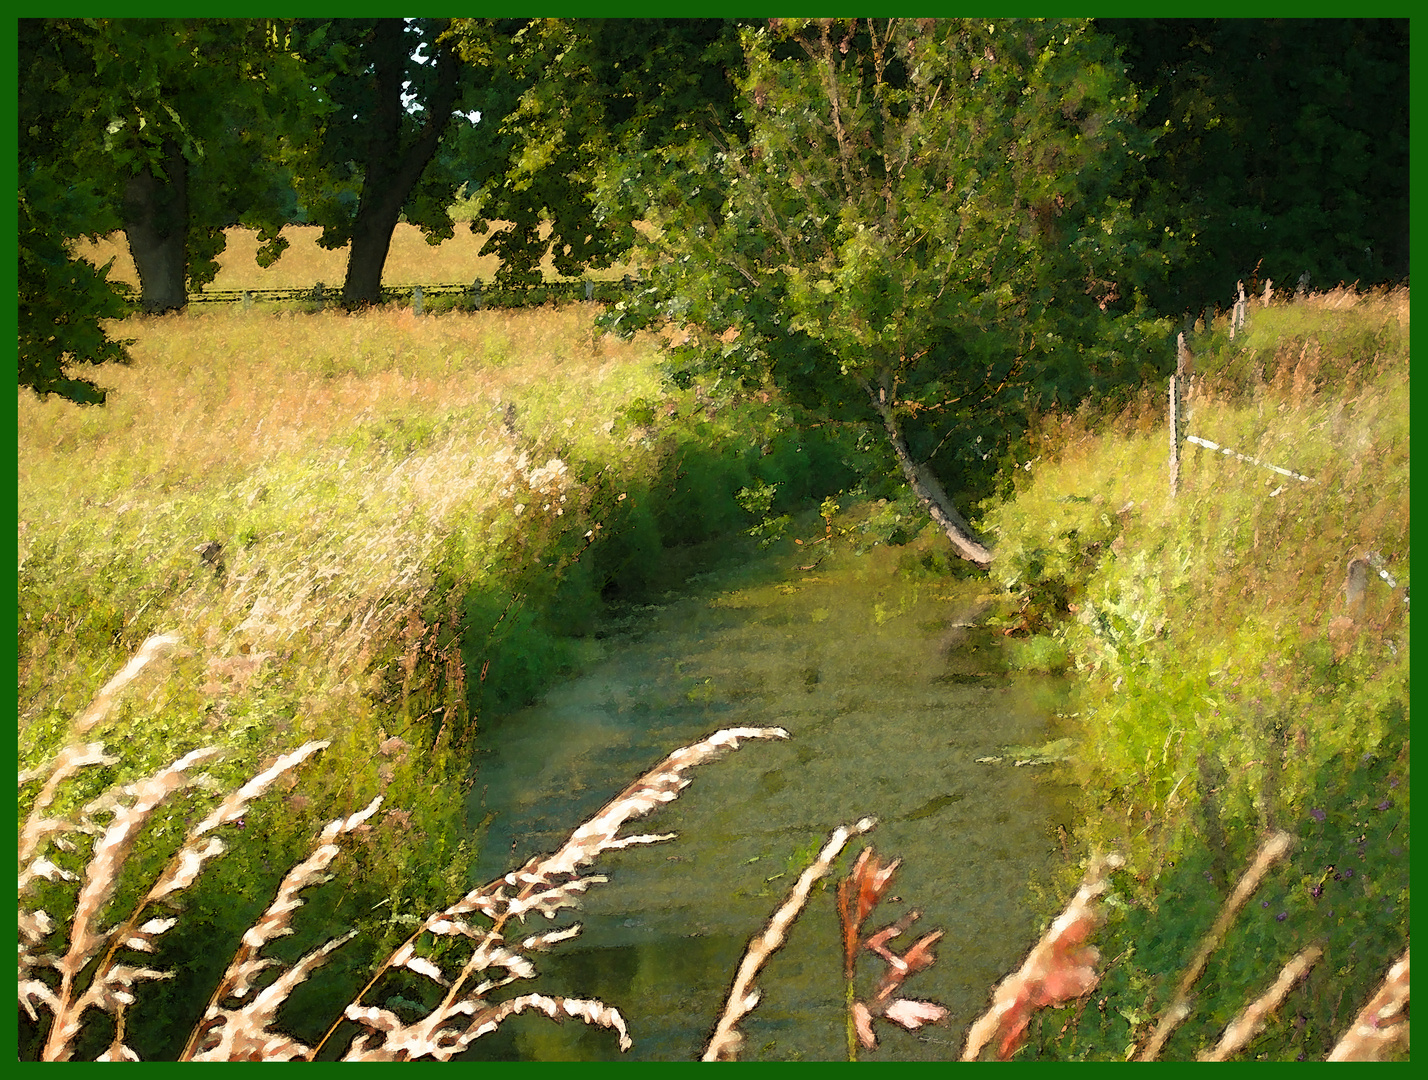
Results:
<point x="416" y="300"/>
<point x="1174" y="438"/>
<point x="1178" y="384"/>
<point x="1356" y="588"/>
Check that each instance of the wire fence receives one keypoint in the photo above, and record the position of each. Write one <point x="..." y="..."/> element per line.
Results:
<point x="474" y="296"/>
<point x="1356" y="581"/>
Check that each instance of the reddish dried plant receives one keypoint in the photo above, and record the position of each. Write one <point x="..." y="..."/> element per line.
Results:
<point x="858" y="894"/>
<point x="1061" y="968"/>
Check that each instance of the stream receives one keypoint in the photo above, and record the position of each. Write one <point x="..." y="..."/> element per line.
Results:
<point x="889" y="698"/>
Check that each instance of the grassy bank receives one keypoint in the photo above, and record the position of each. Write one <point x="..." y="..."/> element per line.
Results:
<point x="369" y="530"/>
<point x="1226" y="687"/>
<point x="375" y="530"/>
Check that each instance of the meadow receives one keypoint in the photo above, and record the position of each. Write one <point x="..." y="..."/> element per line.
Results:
<point x="336" y="541"/>
<point x="411" y="261"/>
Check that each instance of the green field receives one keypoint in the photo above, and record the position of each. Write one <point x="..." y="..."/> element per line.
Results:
<point x="418" y="521"/>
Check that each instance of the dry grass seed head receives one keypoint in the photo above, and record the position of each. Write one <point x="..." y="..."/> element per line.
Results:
<point x="725" y="1042"/>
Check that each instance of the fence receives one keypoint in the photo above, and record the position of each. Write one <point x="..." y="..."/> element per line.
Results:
<point x="1180" y="385"/>
<point x="1356" y="582"/>
<point x="475" y="296"/>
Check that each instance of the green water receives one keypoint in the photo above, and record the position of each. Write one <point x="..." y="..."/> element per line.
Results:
<point x="889" y="704"/>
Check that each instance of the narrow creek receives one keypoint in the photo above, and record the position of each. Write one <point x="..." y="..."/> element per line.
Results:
<point x="889" y="701"/>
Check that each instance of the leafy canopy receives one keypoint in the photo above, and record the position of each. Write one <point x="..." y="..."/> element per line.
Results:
<point x="104" y="101"/>
<point x="940" y="217"/>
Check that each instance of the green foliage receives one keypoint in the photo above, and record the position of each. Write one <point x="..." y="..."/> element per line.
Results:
<point x="1222" y="687"/>
<point x="576" y="95"/>
<point x="1041" y="652"/>
<point x="757" y="501"/>
<point x="1048" y="547"/>
<point x="867" y="248"/>
<point x="1285" y="150"/>
<point x="171" y="129"/>
<point x="63" y="300"/>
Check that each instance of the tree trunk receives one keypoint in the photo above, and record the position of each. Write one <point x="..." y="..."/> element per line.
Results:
<point x="371" y="240"/>
<point x="391" y="169"/>
<point x="928" y="488"/>
<point x="156" y="223"/>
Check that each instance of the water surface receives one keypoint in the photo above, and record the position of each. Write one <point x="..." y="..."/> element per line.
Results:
<point x="889" y="700"/>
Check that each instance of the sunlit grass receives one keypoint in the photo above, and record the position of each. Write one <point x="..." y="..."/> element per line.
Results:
<point x="410" y="261"/>
<point x="362" y="475"/>
<point x="1225" y="688"/>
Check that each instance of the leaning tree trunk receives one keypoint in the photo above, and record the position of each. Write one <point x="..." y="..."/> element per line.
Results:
<point x="929" y="489"/>
<point x="392" y="169"/>
<point x="156" y="224"/>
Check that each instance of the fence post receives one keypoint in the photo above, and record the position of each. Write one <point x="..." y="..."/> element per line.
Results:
<point x="1267" y="293"/>
<point x="247" y="300"/>
<point x="1174" y="438"/>
<point x="1356" y="588"/>
<point x="317" y="295"/>
<point x="1237" y="320"/>
<point x="1178" y="383"/>
<point x="476" y="294"/>
<point x="416" y="300"/>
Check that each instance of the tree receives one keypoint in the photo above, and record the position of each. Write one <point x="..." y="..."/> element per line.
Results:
<point x="930" y="226"/>
<point x="398" y="90"/>
<point x="581" y="94"/>
<point x="62" y="299"/>
<point x="170" y="129"/>
<point x="195" y="113"/>
<point x="1285" y="148"/>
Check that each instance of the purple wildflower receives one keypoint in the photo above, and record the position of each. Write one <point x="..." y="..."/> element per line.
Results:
<point x="1317" y="814"/>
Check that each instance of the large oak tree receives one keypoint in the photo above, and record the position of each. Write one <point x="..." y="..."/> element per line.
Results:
<point x="399" y="93"/>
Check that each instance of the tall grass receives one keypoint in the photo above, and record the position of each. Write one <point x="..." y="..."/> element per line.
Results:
<point x="362" y="481"/>
<point x="372" y="529"/>
<point x="1225" y="689"/>
<point x="462" y="958"/>
<point x="437" y="985"/>
<point x="359" y="521"/>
